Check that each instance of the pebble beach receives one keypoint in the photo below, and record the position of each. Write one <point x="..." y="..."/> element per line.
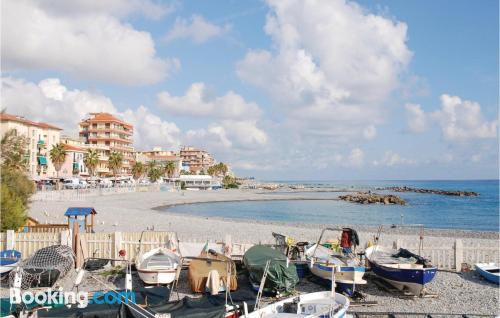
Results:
<point x="455" y="292"/>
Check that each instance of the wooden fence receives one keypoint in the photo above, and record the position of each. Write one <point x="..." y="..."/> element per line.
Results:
<point x="83" y="194"/>
<point x="107" y="245"/>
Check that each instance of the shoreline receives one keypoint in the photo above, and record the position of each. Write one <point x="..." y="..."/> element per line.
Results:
<point x="116" y="210"/>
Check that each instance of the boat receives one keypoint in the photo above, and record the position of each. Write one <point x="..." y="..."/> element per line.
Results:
<point x="490" y="271"/>
<point x="350" y="269"/>
<point x="210" y="271"/>
<point x="401" y="268"/>
<point x="158" y="266"/>
<point x="323" y="304"/>
<point x="282" y="275"/>
<point x="8" y="260"/>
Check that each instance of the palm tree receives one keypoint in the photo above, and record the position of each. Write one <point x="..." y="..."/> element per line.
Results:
<point x="58" y="156"/>
<point x="170" y="168"/>
<point x="115" y="163"/>
<point x="222" y="168"/>
<point x="91" y="160"/>
<point x="138" y="170"/>
<point x="154" y="174"/>
<point x="150" y="165"/>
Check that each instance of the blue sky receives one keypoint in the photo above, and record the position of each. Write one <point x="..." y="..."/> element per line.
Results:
<point x="278" y="89"/>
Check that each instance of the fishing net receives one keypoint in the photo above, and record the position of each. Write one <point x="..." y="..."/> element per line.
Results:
<point x="45" y="267"/>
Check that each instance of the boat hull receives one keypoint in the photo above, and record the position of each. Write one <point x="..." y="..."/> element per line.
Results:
<point x="482" y="269"/>
<point x="312" y="305"/>
<point x="157" y="277"/>
<point x="411" y="279"/>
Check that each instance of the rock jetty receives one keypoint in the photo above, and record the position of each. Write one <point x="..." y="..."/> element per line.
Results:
<point x="433" y="191"/>
<point x="370" y="198"/>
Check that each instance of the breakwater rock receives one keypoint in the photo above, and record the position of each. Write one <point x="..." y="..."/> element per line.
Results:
<point x="370" y="198"/>
<point x="433" y="191"/>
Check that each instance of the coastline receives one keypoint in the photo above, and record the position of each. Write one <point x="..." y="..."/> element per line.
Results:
<point x="115" y="211"/>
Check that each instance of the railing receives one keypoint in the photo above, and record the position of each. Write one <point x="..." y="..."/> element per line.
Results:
<point x="108" y="245"/>
<point x="83" y="194"/>
<point x="452" y="257"/>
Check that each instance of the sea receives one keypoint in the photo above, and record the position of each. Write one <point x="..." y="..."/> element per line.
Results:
<point x="479" y="213"/>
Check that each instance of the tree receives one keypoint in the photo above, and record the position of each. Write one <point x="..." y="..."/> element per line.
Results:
<point x="14" y="149"/>
<point x="16" y="187"/>
<point x="150" y="165"/>
<point x="170" y="168"/>
<point x="115" y="163"/>
<point x="154" y="174"/>
<point x="212" y="170"/>
<point x="91" y="160"/>
<point x="58" y="156"/>
<point x="229" y="182"/>
<point x="138" y="170"/>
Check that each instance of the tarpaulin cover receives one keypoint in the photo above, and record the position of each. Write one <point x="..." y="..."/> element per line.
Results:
<point x="153" y="296"/>
<point x="207" y="306"/>
<point x="199" y="269"/>
<point x="280" y="278"/>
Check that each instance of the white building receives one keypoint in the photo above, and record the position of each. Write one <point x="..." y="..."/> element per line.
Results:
<point x="42" y="137"/>
<point x="198" y="182"/>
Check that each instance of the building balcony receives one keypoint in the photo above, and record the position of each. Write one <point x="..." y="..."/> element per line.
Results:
<point x="102" y="170"/>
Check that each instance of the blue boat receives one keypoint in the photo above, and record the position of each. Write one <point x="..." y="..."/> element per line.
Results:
<point x="401" y="268"/>
<point x="8" y="260"/>
<point x="490" y="271"/>
<point x="349" y="269"/>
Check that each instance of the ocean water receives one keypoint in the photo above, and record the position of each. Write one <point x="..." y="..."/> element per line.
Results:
<point x="434" y="211"/>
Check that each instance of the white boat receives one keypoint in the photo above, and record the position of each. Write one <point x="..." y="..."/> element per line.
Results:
<point x="490" y="271"/>
<point x="158" y="266"/>
<point x="323" y="304"/>
<point x="9" y="259"/>
<point x="349" y="269"/>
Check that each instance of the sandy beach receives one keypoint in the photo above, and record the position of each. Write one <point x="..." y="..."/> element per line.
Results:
<point x="137" y="211"/>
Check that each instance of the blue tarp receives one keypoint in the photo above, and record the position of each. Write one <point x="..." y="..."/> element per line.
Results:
<point x="79" y="211"/>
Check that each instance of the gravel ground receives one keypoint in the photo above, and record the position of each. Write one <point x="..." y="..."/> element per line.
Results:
<point x="456" y="293"/>
<point x="459" y="293"/>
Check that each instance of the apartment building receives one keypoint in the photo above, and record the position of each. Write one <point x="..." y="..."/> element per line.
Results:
<point x="74" y="165"/>
<point x="161" y="157"/>
<point x="42" y="137"/>
<point x="196" y="160"/>
<point x="106" y="134"/>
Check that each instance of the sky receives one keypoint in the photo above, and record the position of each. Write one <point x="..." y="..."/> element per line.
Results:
<point x="278" y="89"/>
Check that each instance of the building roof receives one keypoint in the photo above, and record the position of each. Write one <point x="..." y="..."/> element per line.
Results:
<point x="76" y="211"/>
<point x="105" y="117"/>
<point x="8" y="117"/>
<point x="73" y="148"/>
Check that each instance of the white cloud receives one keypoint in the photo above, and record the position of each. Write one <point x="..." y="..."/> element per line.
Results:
<point x="356" y="158"/>
<point x="459" y="120"/>
<point x="150" y="130"/>
<point x="391" y="159"/>
<point x="198" y="102"/>
<point x="462" y="120"/>
<point x="197" y="29"/>
<point x="50" y="101"/>
<point x="120" y="8"/>
<point x="476" y="158"/>
<point x="333" y="65"/>
<point x="90" y="43"/>
<point x="417" y="120"/>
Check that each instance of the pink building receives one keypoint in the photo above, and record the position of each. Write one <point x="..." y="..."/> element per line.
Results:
<point x="74" y="166"/>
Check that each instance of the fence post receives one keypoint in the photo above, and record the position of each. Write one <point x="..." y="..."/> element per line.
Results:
<point x="117" y="244"/>
<point x="459" y="255"/>
<point x="65" y="238"/>
<point x="11" y="240"/>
